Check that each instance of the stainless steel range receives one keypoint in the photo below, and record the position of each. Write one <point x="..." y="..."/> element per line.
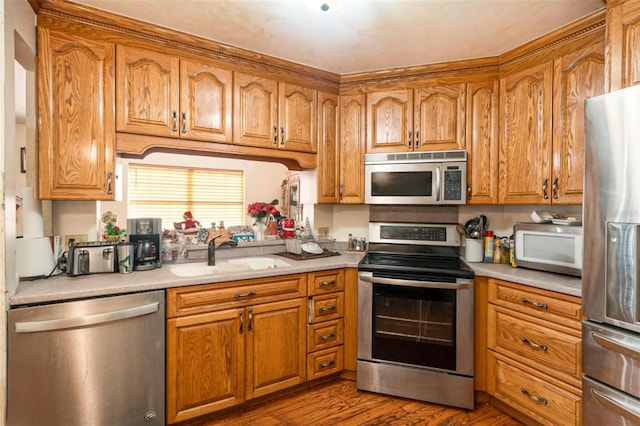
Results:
<point x="415" y="314"/>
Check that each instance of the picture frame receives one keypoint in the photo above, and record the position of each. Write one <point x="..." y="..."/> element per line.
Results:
<point x="23" y="160"/>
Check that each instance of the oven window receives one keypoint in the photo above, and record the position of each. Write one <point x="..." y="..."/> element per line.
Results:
<point x="401" y="184"/>
<point x="414" y="326"/>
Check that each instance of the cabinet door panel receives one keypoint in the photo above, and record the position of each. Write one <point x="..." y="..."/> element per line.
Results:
<point x="76" y="152"/>
<point x="328" y="149"/>
<point x="482" y="135"/>
<point x="298" y="116"/>
<point x="623" y="44"/>
<point x="352" y="130"/>
<point x="147" y="92"/>
<point x="389" y="121"/>
<point x="206" y="97"/>
<point x="255" y="111"/>
<point x="525" y="145"/>
<point x="205" y="363"/>
<point x="577" y="76"/>
<point x="276" y="350"/>
<point x="439" y="118"/>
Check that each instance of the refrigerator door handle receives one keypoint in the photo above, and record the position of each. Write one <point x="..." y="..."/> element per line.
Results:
<point x="616" y="406"/>
<point x="616" y="346"/>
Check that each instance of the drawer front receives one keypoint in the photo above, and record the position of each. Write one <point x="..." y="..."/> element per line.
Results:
<point x="546" y="346"/>
<point x="323" y="282"/>
<point x="326" y="307"/>
<point x="325" y="362"/>
<point x="210" y="297"/>
<point x="325" y="335"/>
<point x="538" y="396"/>
<point x="539" y="303"/>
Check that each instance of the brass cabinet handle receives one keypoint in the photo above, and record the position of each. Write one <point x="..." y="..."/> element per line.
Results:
<point x="534" y="345"/>
<point x="554" y="188"/>
<point x="109" y="182"/>
<point x="184" y="122"/>
<point x="327" y="309"/>
<point x="533" y="397"/>
<point x="327" y="364"/>
<point x="544" y="189"/>
<point x="326" y="283"/>
<point x="535" y="304"/>
<point x="275" y="135"/>
<point x="250" y="325"/>
<point x="325" y="337"/>
<point x="251" y="293"/>
<point x="175" y="121"/>
<point x="241" y="321"/>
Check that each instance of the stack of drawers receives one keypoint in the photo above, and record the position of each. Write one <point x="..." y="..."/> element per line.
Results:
<point x="534" y="357"/>
<point x="325" y="333"/>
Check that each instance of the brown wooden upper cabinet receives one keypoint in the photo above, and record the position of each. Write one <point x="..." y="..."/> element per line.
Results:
<point x="542" y="129"/>
<point x="273" y="114"/>
<point x="76" y="140"/>
<point x="623" y="44"/>
<point x="423" y="119"/>
<point x="164" y="95"/>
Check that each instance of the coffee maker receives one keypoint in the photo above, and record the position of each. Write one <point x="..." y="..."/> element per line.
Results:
<point x="146" y="236"/>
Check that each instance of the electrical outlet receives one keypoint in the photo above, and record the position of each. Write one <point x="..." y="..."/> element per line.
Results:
<point x="74" y="238"/>
<point x="323" y="231"/>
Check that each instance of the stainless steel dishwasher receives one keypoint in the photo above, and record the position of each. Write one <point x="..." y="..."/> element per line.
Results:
<point x="88" y="363"/>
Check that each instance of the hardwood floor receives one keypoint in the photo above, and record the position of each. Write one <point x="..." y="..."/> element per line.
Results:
<point x="340" y="403"/>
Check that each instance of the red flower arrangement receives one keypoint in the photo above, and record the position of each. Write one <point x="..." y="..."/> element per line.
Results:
<point x="259" y="211"/>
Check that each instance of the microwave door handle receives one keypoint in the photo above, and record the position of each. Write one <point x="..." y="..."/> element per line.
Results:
<point x="438" y="183"/>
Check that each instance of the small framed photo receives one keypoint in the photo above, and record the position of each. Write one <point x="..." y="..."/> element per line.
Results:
<point x="23" y="160"/>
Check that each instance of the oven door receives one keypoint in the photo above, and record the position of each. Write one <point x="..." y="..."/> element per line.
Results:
<point x="419" y="323"/>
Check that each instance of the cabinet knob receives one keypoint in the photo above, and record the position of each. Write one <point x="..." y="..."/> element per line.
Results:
<point x="281" y="135"/>
<point x="184" y="122"/>
<point x="554" y="188"/>
<point x="544" y="189"/>
<point x="417" y="139"/>
<point x="533" y="397"/>
<point x="175" y="121"/>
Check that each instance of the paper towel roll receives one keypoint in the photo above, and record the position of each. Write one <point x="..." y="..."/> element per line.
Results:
<point x="32" y="223"/>
<point x="34" y="257"/>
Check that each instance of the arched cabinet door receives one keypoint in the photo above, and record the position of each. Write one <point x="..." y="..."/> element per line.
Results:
<point x="76" y="152"/>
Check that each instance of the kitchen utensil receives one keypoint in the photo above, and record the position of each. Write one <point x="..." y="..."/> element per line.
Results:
<point x="461" y="229"/>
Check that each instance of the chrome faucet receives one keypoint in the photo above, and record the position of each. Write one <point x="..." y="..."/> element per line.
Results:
<point x="211" y="249"/>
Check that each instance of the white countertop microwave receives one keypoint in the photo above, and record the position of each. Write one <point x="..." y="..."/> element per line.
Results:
<point x="432" y="177"/>
<point x="549" y="247"/>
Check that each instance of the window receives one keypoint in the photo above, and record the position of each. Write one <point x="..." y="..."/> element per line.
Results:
<point x="211" y="195"/>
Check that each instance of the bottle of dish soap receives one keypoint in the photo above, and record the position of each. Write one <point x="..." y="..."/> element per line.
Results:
<point x="488" y="247"/>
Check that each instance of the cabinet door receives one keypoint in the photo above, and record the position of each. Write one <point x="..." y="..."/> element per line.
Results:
<point x="76" y="141"/>
<point x="147" y="93"/>
<point x="297" y="115"/>
<point x="390" y="121"/>
<point x="205" y="102"/>
<point x="255" y="111"/>
<point x="525" y="144"/>
<point x="439" y="118"/>
<point x="205" y="363"/>
<point x="482" y="142"/>
<point x="623" y="44"/>
<point x="352" y="129"/>
<point x="328" y="149"/>
<point x="577" y="76"/>
<point x="276" y="346"/>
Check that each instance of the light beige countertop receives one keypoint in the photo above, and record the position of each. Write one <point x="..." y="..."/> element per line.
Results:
<point x="62" y="287"/>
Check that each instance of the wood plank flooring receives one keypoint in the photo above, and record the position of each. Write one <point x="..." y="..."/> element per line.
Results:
<point x="340" y="403"/>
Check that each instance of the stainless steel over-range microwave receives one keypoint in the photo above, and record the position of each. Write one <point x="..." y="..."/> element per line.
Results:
<point x="433" y="177"/>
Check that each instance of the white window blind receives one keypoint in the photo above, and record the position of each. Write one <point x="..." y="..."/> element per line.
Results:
<point x="211" y="195"/>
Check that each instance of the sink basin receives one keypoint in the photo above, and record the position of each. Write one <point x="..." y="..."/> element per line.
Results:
<point x="227" y="266"/>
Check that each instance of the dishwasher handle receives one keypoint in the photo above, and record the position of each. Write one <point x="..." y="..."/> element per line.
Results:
<point x="85" y="320"/>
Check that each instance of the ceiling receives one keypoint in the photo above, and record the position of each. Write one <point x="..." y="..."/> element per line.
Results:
<point x="360" y="35"/>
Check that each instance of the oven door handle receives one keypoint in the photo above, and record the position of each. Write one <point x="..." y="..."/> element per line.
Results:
<point x="460" y="285"/>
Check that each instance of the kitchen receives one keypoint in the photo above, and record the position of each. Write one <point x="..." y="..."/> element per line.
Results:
<point x="502" y="216"/>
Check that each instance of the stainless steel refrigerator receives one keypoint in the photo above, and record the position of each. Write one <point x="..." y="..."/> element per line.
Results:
<point x="611" y="267"/>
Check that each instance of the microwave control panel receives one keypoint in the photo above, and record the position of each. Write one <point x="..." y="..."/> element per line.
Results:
<point x="453" y="184"/>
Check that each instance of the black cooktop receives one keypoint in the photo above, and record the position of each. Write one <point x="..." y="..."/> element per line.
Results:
<point x="415" y="261"/>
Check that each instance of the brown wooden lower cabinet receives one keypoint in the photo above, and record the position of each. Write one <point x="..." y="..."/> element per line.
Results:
<point x="534" y="354"/>
<point x="228" y="343"/>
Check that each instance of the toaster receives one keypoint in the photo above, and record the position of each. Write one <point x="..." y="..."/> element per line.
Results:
<point x="92" y="258"/>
